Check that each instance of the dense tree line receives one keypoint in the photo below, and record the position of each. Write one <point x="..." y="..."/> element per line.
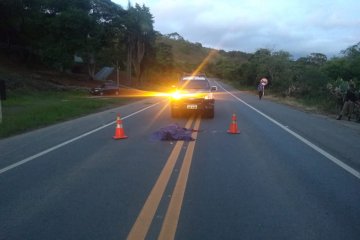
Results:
<point x="175" y="56"/>
<point x="103" y="33"/>
<point x="314" y="77"/>
<point x="98" y="31"/>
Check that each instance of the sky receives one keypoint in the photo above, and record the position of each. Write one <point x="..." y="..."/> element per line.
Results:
<point x="300" y="27"/>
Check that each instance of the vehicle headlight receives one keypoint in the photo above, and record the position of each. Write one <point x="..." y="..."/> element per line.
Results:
<point x="209" y="96"/>
<point x="176" y="95"/>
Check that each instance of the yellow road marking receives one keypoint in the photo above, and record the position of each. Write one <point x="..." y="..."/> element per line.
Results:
<point x="143" y="221"/>
<point x="170" y="223"/>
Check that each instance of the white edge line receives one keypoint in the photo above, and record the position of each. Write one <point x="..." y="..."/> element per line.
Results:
<point x="3" y="170"/>
<point x="307" y="142"/>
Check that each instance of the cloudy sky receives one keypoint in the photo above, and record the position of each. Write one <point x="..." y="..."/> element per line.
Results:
<point x="300" y="27"/>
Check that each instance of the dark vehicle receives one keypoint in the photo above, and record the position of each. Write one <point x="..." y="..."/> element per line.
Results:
<point x="108" y="88"/>
<point x="193" y="94"/>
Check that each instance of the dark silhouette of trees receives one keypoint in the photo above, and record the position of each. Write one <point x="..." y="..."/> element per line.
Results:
<point x="96" y="30"/>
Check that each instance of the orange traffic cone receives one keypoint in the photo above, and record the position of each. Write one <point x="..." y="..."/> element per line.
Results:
<point x="119" y="131"/>
<point x="233" y="126"/>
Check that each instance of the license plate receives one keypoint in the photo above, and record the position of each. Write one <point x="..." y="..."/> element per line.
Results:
<point x="191" y="106"/>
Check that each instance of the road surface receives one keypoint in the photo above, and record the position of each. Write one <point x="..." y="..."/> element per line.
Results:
<point x="288" y="175"/>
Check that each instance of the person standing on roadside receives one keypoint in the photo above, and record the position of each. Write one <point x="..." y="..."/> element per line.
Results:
<point x="260" y="89"/>
<point x="349" y="103"/>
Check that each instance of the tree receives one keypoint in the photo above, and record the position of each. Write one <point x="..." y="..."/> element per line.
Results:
<point x="164" y="56"/>
<point x="175" y="36"/>
<point x="105" y="40"/>
<point x="57" y="30"/>
<point x="11" y="12"/>
<point x="279" y="70"/>
<point x="346" y="67"/>
<point x="317" y="59"/>
<point x="352" y="58"/>
<point x="68" y="33"/>
<point x="336" y="68"/>
<point x="140" y="38"/>
<point x="273" y="65"/>
<point x="352" y="51"/>
<point x="260" y="62"/>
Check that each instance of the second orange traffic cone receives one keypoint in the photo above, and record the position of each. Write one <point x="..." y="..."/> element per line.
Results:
<point x="233" y="129"/>
<point x="119" y="131"/>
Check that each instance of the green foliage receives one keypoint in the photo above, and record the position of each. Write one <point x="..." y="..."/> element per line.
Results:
<point x="139" y="38"/>
<point x="67" y="33"/>
<point x="96" y="30"/>
<point x="23" y="112"/>
<point x="336" y="68"/>
<point x="311" y="82"/>
<point x="228" y="65"/>
<point x="164" y="56"/>
<point x="273" y="65"/>
<point x="11" y="20"/>
<point x="352" y="56"/>
<point x="103" y="33"/>
<point x="180" y="55"/>
<point x="346" y="67"/>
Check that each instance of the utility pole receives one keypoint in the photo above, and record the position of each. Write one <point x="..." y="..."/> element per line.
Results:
<point x="0" y="113"/>
<point x="2" y="96"/>
<point x="117" y="72"/>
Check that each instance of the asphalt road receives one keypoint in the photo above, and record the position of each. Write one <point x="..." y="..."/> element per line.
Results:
<point x="288" y="175"/>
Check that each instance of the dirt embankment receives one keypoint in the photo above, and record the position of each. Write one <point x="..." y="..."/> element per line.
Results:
<point x="19" y="76"/>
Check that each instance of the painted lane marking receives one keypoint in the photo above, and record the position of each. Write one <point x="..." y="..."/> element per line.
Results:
<point x="335" y="160"/>
<point x="145" y="218"/>
<point x="171" y="220"/>
<point x="26" y="160"/>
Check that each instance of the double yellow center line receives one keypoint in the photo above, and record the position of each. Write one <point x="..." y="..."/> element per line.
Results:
<point x="145" y="218"/>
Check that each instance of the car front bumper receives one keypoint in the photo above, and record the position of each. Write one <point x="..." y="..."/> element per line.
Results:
<point x="193" y="104"/>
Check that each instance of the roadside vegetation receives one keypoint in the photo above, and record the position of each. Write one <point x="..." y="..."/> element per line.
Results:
<point x="313" y="80"/>
<point x="23" y="112"/>
<point x="50" y="51"/>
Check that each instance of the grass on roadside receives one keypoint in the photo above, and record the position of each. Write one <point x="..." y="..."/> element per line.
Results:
<point x="318" y="104"/>
<point x="24" y="112"/>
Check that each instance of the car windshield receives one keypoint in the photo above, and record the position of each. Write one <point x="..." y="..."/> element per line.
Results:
<point x="194" y="84"/>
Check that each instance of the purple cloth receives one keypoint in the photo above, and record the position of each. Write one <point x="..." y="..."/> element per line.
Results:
<point x="172" y="132"/>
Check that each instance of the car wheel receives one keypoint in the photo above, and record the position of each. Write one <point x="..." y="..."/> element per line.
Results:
<point x="175" y="113"/>
<point x="209" y="113"/>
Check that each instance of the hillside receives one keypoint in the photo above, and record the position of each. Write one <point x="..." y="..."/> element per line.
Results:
<point x="188" y="56"/>
<point x="185" y="57"/>
<point x="22" y="77"/>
